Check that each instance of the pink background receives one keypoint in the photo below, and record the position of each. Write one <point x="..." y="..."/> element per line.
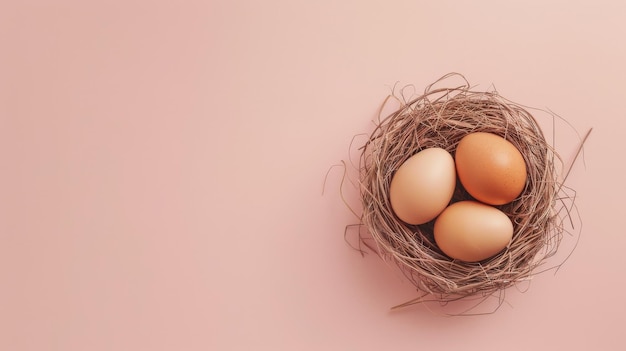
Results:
<point x="163" y="162"/>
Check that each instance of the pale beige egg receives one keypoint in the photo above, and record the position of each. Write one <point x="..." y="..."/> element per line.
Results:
<point x="423" y="186"/>
<point x="472" y="231"/>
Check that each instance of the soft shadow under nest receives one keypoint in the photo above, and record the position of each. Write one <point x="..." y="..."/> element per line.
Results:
<point x="440" y="118"/>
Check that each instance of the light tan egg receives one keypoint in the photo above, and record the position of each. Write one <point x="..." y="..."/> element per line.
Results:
<point x="423" y="186"/>
<point x="490" y="168"/>
<point x="472" y="231"/>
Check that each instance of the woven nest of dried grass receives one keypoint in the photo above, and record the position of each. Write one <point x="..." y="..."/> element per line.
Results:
<point x="441" y="118"/>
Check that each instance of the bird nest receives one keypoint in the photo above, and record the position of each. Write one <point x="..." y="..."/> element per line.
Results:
<point x="441" y="118"/>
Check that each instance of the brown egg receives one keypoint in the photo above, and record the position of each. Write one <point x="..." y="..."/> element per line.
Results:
<point x="472" y="231"/>
<point x="423" y="186"/>
<point x="490" y="168"/>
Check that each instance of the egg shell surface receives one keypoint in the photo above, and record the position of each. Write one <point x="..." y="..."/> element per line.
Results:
<point x="423" y="186"/>
<point x="472" y="231"/>
<point x="490" y="168"/>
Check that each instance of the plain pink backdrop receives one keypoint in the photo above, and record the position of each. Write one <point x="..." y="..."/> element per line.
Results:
<point x="163" y="162"/>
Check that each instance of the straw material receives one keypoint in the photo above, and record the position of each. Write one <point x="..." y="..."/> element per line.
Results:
<point x="441" y="118"/>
